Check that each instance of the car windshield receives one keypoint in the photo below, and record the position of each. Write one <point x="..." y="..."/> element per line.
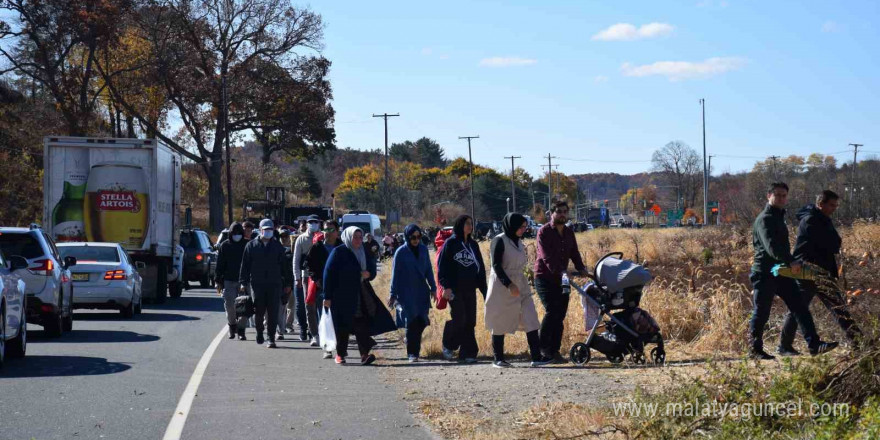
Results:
<point x="24" y="245"/>
<point x="364" y="226"/>
<point x="189" y="240"/>
<point x="90" y="254"/>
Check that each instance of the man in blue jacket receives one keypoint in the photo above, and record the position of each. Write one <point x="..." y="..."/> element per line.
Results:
<point x="264" y="267"/>
<point x="818" y="243"/>
<point x="770" y="240"/>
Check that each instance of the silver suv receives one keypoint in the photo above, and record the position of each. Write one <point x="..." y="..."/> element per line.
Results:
<point x="47" y="279"/>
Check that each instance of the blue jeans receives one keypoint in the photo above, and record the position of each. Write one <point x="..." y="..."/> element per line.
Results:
<point x="301" y="317"/>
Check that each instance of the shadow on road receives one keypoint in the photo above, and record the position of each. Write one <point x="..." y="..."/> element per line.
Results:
<point x="79" y="336"/>
<point x="148" y="315"/>
<point x="52" y="366"/>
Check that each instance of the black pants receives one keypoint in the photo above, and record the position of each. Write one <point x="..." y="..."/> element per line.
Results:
<point x="459" y="331"/>
<point x="414" y="329"/>
<point x="834" y="305"/>
<point x="267" y="303"/>
<point x="301" y="317"/>
<point x="361" y="330"/>
<point x="531" y="337"/>
<point x="765" y="287"/>
<point x="555" y="309"/>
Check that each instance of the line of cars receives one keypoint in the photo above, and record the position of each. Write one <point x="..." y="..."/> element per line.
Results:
<point x="42" y="282"/>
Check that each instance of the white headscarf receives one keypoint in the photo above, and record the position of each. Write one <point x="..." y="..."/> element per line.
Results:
<point x="348" y="238"/>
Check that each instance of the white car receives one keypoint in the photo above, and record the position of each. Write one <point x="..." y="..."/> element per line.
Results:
<point x="13" y="325"/>
<point x="104" y="277"/>
<point x="47" y="279"/>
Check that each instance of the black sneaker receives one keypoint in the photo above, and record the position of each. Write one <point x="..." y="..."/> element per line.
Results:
<point x="501" y="364"/>
<point x="558" y="359"/>
<point x="823" y="347"/>
<point x="271" y="344"/>
<point x="787" y="351"/>
<point x="540" y="362"/>
<point x="368" y="359"/>
<point x="303" y="336"/>
<point x="260" y="339"/>
<point x="760" y="354"/>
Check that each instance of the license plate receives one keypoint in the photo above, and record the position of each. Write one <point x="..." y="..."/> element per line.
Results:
<point x="80" y="277"/>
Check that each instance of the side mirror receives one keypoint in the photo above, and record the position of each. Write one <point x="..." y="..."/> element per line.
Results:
<point x="140" y="265"/>
<point x="69" y="261"/>
<point x="17" y="262"/>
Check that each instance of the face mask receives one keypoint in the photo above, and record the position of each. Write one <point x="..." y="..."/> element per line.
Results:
<point x="313" y="227"/>
<point x="266" y="234"/>
<point x="236" y="238"/>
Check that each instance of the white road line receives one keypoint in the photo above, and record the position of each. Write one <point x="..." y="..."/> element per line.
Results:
<point x="178" y="420"/>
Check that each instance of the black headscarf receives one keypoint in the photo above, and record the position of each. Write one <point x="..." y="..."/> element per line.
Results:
<point x="458" y="226"/>
<point x="511" y="223"/>
<point x="408" y="232"/>
<point x="236" y="229"/>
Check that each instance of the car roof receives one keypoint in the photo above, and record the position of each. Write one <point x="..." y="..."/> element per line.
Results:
<point x="87" y="243"/>
<point x="15" y="229"/>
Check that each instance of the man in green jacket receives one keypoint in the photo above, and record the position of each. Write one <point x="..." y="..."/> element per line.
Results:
<point x="770" y="240"/>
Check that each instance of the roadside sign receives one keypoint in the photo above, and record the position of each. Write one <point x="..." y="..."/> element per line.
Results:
<point x="656" y="209"/>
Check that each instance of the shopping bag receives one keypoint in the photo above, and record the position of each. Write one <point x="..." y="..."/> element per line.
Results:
<point x="244" y="306"/>
<point x="326" y="333"/>
<point x="311" y="293"/>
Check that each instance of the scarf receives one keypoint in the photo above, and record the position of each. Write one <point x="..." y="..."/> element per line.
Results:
<point x="348" y="239"/>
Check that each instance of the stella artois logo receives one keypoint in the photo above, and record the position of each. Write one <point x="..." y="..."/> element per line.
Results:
<point x="118" y="201"/>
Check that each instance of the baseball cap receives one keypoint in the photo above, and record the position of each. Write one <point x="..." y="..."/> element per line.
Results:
<point x="313" y="218"/>
<point x="267" y="224"/>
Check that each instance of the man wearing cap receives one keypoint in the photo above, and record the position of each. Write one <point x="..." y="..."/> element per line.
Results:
<point x="300" y="255"/>
<point x="264" y="268"/>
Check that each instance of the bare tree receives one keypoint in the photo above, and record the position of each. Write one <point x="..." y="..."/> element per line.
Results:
<point x="680" y="164"/>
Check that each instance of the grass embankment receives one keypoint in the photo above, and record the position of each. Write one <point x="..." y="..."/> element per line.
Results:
<point x="701" y="298"/>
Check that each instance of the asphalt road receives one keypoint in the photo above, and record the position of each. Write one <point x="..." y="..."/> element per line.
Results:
<point x="122" y="379"/>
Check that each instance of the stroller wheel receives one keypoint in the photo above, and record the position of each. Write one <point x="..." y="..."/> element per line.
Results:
<point x="580" y="353"/>
<point x="638" y="357"/>
<point x="615" y="359"/>
<point x="658" y="356"/>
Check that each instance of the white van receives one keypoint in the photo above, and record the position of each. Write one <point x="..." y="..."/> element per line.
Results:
<point x="369" y="223"/>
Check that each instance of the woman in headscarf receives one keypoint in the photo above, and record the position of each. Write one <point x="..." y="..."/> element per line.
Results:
<point x="461" y="272"/>
<point x="509" y="303"/>
<point x="354" y="305"/>
<point x="412" y="286"/>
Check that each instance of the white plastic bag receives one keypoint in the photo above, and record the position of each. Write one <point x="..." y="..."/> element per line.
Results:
<point x="326" y="333"/>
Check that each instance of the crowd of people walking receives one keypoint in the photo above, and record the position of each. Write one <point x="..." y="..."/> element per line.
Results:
<point x="294" y="280"/>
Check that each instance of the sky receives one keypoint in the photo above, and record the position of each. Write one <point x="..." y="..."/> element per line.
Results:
<point x="603" y="84"/>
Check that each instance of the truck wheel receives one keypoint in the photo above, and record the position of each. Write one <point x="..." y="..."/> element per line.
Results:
<point x="53" y="326"/>
<point x="161" y="283"/>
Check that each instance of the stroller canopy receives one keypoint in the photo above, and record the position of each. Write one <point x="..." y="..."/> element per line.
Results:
<point x="617" y="274"/>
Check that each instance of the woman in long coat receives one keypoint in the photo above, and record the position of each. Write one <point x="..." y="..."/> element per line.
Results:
<point x="354" y="305"/>
<point x="509" y="303"/>
<point x="412" y="286"/>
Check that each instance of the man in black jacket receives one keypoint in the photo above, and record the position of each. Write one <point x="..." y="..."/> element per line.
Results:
<point x="317" y="261"/>
<point x="818" y="243"/>
<point x="228" y="270"/>
<point x="770" y="240"/>
<point x="264" y="267"/>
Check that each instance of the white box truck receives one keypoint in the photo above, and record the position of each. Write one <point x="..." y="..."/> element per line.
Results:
<point x="123" y="191"/>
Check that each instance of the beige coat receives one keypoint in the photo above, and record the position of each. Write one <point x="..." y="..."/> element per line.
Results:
<point x="504" y="312"/>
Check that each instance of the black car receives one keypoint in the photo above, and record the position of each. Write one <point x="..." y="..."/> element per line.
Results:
<point x="199" y="258"/>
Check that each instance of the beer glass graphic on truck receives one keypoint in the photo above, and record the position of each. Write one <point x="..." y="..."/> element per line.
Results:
<point x="117" y="205"/>
<point x="67" y="216"/>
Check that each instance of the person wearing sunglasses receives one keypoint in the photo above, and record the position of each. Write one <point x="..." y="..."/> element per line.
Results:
<point x="412" y="287"/>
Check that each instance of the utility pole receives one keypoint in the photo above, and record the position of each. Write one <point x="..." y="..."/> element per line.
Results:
<point x="471" y="160"/>
<point x="854" y="184"/>
<point x="775" y="175"/>
<point x="512" y="187"/>
<point x="385" y="198"/>
<point x="705" y="169"/>
<point x="228" y="155"/>
<point x="549" y="174"/>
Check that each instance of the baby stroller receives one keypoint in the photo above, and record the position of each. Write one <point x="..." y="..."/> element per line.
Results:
<point x="617" y="285"/>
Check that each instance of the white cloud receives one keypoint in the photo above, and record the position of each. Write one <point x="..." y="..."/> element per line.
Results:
<point x="830" y="26"/>
<point x="600" y="79"/>
<point x="628" y="32"/>
<point x="681" y="70"/>
<point x="427" y="51"/>
<point x="506" y="62"/>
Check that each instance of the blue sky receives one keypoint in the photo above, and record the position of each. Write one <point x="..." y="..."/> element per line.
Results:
<point x="531" y="78"/>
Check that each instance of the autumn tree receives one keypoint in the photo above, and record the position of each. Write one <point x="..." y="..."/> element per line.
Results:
<point x="681" y="166"/>
<point x="199" y="49"/>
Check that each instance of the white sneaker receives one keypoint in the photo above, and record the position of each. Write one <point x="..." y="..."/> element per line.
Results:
<point x="501" y="364"/>
<point x="328" y="355"/>
<point x="314" y="342"/>
<point x="413" y="359"/>
<point x="448" y="354"/>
